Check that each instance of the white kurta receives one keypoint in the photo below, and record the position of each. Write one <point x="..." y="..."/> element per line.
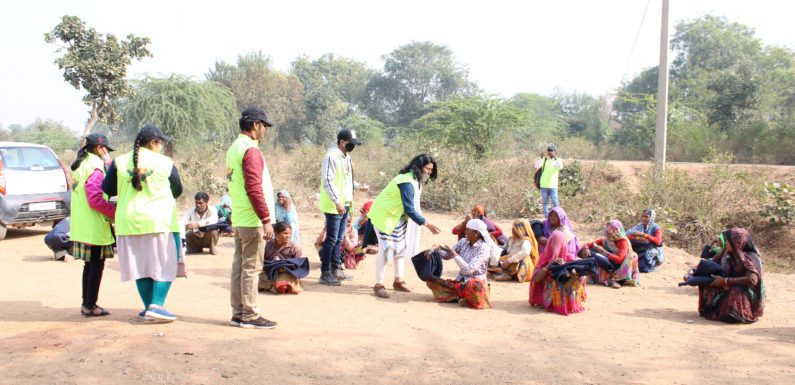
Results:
<point x="413" y="230"/>
<point x="148" y="256"/>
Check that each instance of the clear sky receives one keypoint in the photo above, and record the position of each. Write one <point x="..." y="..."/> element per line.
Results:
<point x="508" y="46"/>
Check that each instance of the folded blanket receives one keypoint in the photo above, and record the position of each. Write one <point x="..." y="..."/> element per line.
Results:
<point x="561" y="273"/>
<point x="428" y="269"/>
<point x="702" y="276"/>
<point x="297" y="267"/>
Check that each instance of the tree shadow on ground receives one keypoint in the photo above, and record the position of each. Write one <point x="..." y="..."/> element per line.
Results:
<point x="782" y="334"/>
<point x="34" y="311"/>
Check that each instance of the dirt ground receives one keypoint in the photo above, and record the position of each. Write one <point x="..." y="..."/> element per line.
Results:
<point x="339" y="335"/>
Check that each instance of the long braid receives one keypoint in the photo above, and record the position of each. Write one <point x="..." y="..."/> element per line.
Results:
<point x="136" y="178"/>
<point x="81" y="154"/>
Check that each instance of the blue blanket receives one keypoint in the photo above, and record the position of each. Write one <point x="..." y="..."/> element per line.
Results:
<point x="428" y="269"/>
<point x="702" y="276"/>
<point x="582" y="267"/>
<point x="298" y="267"/>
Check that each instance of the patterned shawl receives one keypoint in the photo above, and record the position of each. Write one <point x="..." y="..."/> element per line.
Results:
<point x="610" y="243"/>
<point x="745" y="250"/>
<point x="650" y="229"/>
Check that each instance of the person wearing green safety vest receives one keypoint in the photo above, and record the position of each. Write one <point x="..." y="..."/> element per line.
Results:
<point x="91" y="213"/>
<point x="251" y="191"/>
<point x="336" y="200"/>
<point x="550" y="166"/>
<point x="390" y="214"/>
<point x="147" y="230"/>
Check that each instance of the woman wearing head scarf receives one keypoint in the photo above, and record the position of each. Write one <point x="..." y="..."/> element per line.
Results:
<point x="740" y="296"/>
<point x="479" y="212"/>
<point x="562" y="298"/>
<point x="617" y="263"/>
<point x="225" y="216"/>
<point x="558" y="220"/>
<point x="286" y="212"/>
<point x="646" y="240"/>
<point x="390" y="213"/>
<point x="147" y="230"/>
<point x="521" y="254"/>
<point x="472" y="255"/>
<point x="91" y="213"/>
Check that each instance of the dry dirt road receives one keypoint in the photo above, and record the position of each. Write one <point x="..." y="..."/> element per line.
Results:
<point x="648" y="334"/>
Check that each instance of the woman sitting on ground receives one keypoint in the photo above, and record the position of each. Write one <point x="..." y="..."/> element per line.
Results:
<point x="617" y="263"/>
<point x="521" y="254"/>
<point x="558" y="220"/>
<point x="739" y="297"/>
<point x="280" y="247"/>
<point x="224" y="224"/>
<point x="472" y="256"/>
<point x="286" y="212"/>
<point x="562" y="298"/>
<point x="366" y="231"/>
<point x="479" y="212"/>
<point x="646" y="240"/>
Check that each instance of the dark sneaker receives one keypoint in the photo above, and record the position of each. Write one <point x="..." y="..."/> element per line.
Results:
<point x="328" y="279"/>
<point x="259" y="323"/>
<point x="340" y="275"/>
<point x="235" y="321"/>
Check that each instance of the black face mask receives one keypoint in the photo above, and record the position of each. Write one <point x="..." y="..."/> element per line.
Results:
<point x="349" y="146"/>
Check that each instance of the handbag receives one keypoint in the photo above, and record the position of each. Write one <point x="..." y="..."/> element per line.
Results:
<point x="537" y="176"/>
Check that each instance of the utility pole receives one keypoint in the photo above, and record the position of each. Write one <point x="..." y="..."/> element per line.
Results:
<point x="662" y="97"/>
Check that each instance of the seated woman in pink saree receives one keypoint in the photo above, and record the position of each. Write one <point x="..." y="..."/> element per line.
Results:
<point x="562" y="298"/>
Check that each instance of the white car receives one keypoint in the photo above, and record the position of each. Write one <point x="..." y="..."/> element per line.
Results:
<point x="34" y="186"/>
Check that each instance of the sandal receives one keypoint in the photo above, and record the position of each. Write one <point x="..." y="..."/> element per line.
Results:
<point x="613" y="285"/>
<point x="401" y="286"/>
<point x="93" y="312"/>
<point x="380" y="291"/>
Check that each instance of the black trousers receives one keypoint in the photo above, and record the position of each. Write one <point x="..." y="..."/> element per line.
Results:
<point x="92" y="276"/>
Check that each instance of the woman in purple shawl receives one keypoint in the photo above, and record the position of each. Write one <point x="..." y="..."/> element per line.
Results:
<point x="558" y="220"/>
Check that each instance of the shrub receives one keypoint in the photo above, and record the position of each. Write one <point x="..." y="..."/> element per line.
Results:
<point x="782" y="208"/>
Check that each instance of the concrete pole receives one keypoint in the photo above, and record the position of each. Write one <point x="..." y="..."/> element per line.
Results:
<point x="662" y="97"/>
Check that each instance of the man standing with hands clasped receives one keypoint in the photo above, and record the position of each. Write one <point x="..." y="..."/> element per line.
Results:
<point x="550" y="166"/>
<point x="252" y="204"/>
<point x="336" y="200"/>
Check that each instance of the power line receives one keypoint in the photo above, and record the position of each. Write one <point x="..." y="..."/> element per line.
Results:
<point x="634" y="43"/>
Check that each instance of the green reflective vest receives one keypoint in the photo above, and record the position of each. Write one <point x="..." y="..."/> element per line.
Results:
<point x="243" y="214"/>
<point x="325" y="203"/>
<point x="153" y="209"/>
<point x="88" y="225"/>
<point x="388" y="207"/>
<point x="549" y="177"/>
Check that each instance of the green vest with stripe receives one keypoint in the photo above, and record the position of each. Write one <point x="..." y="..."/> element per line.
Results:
<point x="88" y="225"/>
<point x="153" y="209"/>
<point x="325" y="203"/>
<point x="549" y="176"/>
<point x="388" y="206"/>
<point x="243" y="214"/>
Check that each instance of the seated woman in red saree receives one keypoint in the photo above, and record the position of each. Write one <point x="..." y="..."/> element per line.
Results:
<point x="562" y="298"/>
<point x="739" y="297"/>
<point x="479" y="212"/>
<point x="617" y="262"/>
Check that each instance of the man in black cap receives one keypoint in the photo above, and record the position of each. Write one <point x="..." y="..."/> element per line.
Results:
<point x="550" y="166"/>
<point x="251" y="191"/>
<point x="336" y="200"/>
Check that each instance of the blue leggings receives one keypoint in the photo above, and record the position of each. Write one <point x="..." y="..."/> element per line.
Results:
<point x="152" y="292"/>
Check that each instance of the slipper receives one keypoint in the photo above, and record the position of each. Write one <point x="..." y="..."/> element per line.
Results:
<point x="93" y="312"/>
<point x="401" y="286"/>
<point x="380" y="291"/>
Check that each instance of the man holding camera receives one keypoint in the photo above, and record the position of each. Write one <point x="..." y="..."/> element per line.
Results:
<point x="550" y="166"/>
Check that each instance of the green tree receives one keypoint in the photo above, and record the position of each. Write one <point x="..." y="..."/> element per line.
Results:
<point x="415" y="75"/>
<point x="469" y="124"/>
<point x="585" y="116"/>
<point x="254" y="83"/>
<point x="541" y="117"/>
<point x="97" y="63"/>
<point x="189" y="111"/>
<point x="47" y="132"/>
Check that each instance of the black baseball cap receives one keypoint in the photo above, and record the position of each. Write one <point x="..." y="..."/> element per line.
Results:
<point x="349" y="135"/>
<point x="551" y="148"/>
<point x="97" y="139"/>
<point x="150" y="131"/>
<point x="254" y="114"/>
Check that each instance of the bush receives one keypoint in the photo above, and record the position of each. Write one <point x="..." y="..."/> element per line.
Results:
<point x="782" y="209"/>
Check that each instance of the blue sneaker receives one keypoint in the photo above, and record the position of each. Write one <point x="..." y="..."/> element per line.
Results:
<point x="159" y="313"/>
<point x="142" y="315"/>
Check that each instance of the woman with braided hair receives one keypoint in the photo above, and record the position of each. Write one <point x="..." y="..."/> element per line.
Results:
<point x="147" y="232"/>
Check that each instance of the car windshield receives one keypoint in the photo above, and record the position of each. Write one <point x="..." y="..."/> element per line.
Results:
<point x="28" y="158"/>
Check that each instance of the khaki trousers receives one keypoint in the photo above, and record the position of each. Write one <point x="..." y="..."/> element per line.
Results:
<point x="196" y="244"/>
<point x="247" y="264"/>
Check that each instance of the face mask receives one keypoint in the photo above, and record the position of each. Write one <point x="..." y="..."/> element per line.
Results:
<point x="107" y="159"/>
<point x="424" y="178"/>
<point x="349" y="147"/>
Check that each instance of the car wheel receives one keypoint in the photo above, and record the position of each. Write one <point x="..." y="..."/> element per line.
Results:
<point x="3" y="231"/>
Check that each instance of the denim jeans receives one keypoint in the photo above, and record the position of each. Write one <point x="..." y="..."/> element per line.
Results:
<point x="546" y="195"/>
<point x="335" y="230"/>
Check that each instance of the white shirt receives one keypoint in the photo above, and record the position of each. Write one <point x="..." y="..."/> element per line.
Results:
<point x="210" y="217"/>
